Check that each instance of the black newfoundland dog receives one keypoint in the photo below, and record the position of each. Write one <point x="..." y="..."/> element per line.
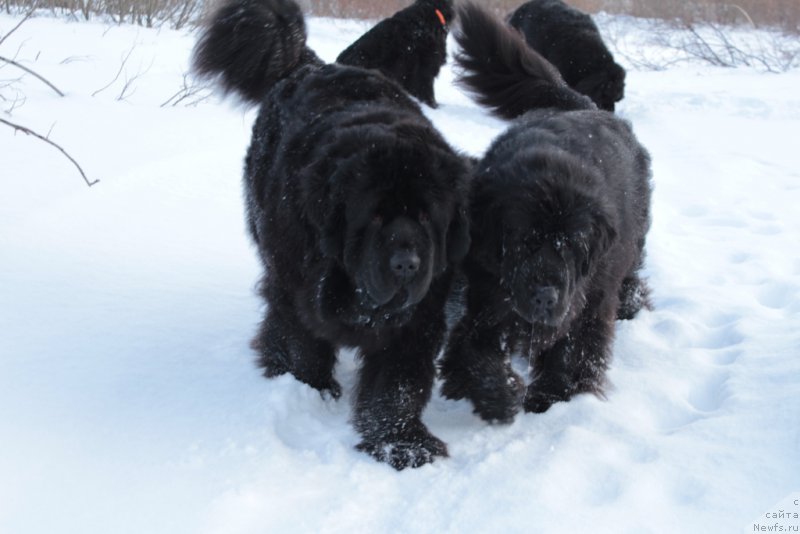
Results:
<point x="570" y="40"/>
<point x="560" y="209"/>
<point x="409" y="47"/>
<point x="358" y="208"/>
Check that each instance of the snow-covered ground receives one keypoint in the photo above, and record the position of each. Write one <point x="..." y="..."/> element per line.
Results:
<point x="129" y="402"/>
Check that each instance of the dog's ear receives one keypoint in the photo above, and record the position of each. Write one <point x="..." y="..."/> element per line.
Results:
<point x="322" y="208"/>
<point x="458" y="238"/>
<point x="599" y="239"/>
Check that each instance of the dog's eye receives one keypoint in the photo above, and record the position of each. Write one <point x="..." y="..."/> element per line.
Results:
<point x="423" y="217"/>
<point x="377" y="219"/>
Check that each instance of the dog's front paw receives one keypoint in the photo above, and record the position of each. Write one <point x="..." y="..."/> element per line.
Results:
<point x="274" y="363"/>
<point x="634" y="296"/>
<point x="455" y="386"/>
<point x="500" y="399"/>
<point x="541" y="395"/>
<point x="540" y="402"/>
<point x="408" y="449"/>
<point x="496" y="393"/>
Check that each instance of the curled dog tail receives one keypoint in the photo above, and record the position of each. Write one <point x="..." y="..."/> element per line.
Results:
<point x="503" y="72"/>
<point x="248" y="46"/>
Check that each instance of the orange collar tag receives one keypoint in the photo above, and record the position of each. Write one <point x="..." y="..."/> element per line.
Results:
<point x="441" y="18"/>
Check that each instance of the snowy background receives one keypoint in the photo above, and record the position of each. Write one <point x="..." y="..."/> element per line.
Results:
<point x="129" y="401"/>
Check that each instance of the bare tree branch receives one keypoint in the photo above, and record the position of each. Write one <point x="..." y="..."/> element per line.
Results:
<point x="128" y="86"/>
<point x="18" y="100"/>
<point x="188" y="90"/>
<point x="119" y="72"/>
<point x="28" y="15"/>
<point x="29" y="71"/>
<point x="721" y="45"/>
<point x="72" y="59"/>
<point x="28" y="131"/>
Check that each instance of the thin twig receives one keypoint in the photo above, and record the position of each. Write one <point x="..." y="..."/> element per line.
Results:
<point x="129" y="82"/>
<point x="187" y="91"/>
<point x="121" y="67"/>
<point x="29" y="71"/>
<point x="27" y="131"/>
<point x="72" y="59"/>
<point x="19" y="100"/>
<point x="28" y="15"/>
<point x="746" y="15"/>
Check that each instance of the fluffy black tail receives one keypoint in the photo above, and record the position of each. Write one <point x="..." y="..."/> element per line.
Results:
<point x="249" y="45"/>
<point x="503" y="72"/>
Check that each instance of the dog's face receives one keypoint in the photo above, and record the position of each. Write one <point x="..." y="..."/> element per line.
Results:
<point x="395" y="220"/>
<point x="545" y="274"/>
<point x="547" y="251"/>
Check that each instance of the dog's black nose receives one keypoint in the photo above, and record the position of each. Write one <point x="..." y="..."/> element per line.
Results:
<point x="405" y="263"/>
<point x="544" y="302"/>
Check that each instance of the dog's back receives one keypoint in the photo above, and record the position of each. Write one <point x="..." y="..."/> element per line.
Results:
<point x="602" y="142"/>
<point x="546" y="24"/>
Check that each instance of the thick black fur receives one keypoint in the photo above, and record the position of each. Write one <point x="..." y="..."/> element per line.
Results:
<point x="570" y="40"/>
<point x="409" y="47"/>
<point x="358" y="208"/>
<point x="560" y="210"/>
<point x="503" y="74"/>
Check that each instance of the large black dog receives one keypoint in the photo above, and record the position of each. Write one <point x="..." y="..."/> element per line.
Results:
<point x="560" y="209"/>
<point x="570" y="40"/>
<point x="409" y="47"/>
<point x="358" y="208"/>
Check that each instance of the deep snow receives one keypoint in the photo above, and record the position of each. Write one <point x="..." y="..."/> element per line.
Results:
<point x="129" y="401"/>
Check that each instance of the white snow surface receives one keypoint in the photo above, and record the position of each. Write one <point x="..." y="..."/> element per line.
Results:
<point x="129" y="398"/>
